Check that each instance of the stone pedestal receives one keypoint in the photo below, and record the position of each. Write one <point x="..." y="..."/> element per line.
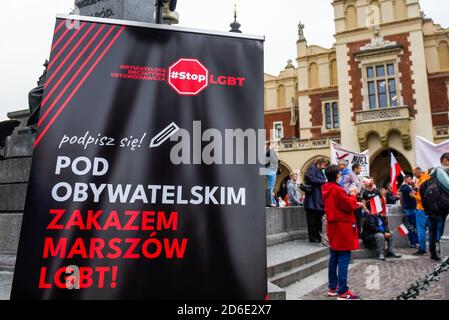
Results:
<point x="285" y="224"/>
<point x="395" y="219"/>
<point x="14" y="175"/>
<point x="133" y="10"/>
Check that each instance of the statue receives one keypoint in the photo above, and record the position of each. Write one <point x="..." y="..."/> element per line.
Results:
<point x="35" y="98"/>
<point x="289" y="64"/>
<point x="235" y="26"/>
<point x="301" y="31"/>
<point x="293" y="118"/>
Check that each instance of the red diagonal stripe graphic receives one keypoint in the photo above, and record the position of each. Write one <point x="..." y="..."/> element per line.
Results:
<point x="59" y="26"/>
<point x="47" y="95"/>
<point x="80" y="83"/>
<point x="55" y="58"/>
<point x="53" y="74"/>
<point x="62" y="36"/>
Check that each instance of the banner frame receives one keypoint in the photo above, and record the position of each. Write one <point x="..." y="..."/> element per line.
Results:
<point x="32" y="291"/>
<point x="160" y="26"/>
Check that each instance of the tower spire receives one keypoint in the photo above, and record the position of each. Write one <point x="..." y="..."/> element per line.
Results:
<point x="235" y="26"/>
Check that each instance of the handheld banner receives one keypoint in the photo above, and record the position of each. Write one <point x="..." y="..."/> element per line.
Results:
<point x="138" y="189"/>
<point x="339" y="152"/>
<point x="428" y="153"/>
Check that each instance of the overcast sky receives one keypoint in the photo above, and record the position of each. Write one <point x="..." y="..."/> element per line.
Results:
<point x="26" y="33"/>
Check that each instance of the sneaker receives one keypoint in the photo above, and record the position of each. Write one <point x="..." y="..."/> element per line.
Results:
<point x="332" y="293"/>
<point x="348" y="295"/>
<point x="419" y="253"/>
<point x="381" y="257"/>
<point x="394" y="255"/>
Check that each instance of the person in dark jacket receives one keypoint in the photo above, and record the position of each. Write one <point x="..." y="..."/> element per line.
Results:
<point x="375" y="233"/>
<point x="313" y="202"/>
<point x="341" y="231"/>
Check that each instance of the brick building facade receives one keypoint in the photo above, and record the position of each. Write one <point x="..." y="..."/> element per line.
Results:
<point x="384" y="81"/>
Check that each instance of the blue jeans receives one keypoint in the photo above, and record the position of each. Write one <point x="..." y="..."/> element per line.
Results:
<point x="339" y="260"/>
<point x="410" y="223"/>
<point x="421" y="221"/>
<point x="271" y="180"/>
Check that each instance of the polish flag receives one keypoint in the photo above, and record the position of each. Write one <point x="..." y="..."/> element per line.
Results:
<point x="395" y="172"/>
<point x="403" y="230"/>
<point x="375" y="205"/>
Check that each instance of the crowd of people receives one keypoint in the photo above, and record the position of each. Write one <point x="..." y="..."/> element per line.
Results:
<point x="353" y="208"/>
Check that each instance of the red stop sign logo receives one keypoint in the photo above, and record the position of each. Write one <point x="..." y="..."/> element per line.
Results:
<point x="188" y="77"/>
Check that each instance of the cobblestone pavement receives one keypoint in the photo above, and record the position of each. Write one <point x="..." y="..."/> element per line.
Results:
<point x="396" y="276"/>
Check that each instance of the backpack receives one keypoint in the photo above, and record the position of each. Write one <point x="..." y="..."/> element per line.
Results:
<point x="434" y="199"/>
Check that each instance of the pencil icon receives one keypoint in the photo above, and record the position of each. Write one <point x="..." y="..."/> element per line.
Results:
<point x="164" y="135"/>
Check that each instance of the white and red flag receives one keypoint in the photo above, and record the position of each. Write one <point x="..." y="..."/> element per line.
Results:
<point x="375" y="205"/>
<point x="395" y="172"/>
<point x="403" y="230"/>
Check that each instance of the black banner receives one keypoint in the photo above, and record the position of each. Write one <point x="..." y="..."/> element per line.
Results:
<point x="138" y="189"/>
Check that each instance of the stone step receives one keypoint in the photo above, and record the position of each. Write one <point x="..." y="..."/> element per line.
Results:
<point x="291" y="255"/>
<point x="364" y="252"/>
<point x="12" y="197"/>
<point x="287" y="278"/>
<point x="298" y="290"/>
<point x="275" y="293"/>
<point x="7" y="262"/>
<point x="15" y="170"/>
<point x="284" y="237"/>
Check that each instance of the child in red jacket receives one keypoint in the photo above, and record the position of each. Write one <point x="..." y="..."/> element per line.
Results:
<point x="341" y="231"/>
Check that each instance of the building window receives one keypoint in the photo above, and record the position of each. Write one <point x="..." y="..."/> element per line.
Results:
<point x="331" y="116"/>
<point x="281" y="97"/>
<point x="351" y="18"/>
<point x="333" y="71"/>
<point x="381" y="83"/>
<point x="313" y="76"/>
<point x="443" y="52"/>
<point x="400" y="8"/>
<point x="278" y="131"/>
